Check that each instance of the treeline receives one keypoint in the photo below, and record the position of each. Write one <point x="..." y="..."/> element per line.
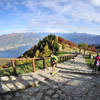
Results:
<point x="98" y="48"/>
<point x="85" y="47"/>
<point x="44" y="47"/>
<point x="63" y="41"/>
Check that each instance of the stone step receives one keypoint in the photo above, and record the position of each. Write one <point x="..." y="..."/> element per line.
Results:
<point x="23" y="81"/>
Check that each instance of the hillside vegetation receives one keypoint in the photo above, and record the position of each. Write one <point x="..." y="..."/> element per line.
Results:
<point x="57" y="44"/>
<point x="44" y="47"/>
<point x="51" y="43"/>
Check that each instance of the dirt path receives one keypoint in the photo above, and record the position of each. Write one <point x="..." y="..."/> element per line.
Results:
<point x="73" y="82"/>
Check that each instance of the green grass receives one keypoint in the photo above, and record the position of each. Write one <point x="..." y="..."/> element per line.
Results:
<point x="3" y="62"/>
<point x="90" y="62"/>
<point x="61" y="53"/>
<point x="27" y="67"/>
<point x="24" y="68"/>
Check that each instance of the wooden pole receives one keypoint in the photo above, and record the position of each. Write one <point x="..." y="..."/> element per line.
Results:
<point x="44" y="64"/>
<point x="60" y="59"/>
<point x="33" y="65"/>
<point x="66" y="58"/>
<point x="63" y="58"/>
<point x="14" y="67"/>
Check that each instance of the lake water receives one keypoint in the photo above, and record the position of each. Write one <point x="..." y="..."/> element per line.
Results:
<point x="13" y="53"/>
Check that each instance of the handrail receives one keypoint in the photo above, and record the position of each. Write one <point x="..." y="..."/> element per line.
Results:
<point x="13" y="60"/>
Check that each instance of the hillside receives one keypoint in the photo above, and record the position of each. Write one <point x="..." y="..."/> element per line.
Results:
<point x="16" y="40"/>
<point x="81" y="38"/>
<point x="44" y="47"/>
<point x="55" y="44"/>
<point x="49" y="44"/>
<point x="13" y="45"/>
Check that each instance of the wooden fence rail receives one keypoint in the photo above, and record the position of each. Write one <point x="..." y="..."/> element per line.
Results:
<point x="13" y="60"/>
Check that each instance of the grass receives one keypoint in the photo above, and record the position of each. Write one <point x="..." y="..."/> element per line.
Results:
<point x="24" y="68"/>
<point x="90" y="62"/>
<point x="61" y="53"/>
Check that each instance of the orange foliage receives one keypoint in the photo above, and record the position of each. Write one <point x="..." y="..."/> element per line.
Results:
<point x="63" y="41"/>
<point x="92" y="49"/>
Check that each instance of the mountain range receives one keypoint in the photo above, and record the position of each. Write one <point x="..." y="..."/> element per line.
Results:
<point x="15" y="44"/>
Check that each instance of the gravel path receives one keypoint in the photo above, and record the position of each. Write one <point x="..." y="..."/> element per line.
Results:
<point x="73" y="82"/>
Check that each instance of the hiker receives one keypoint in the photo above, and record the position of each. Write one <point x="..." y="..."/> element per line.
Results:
<point x="53" y="62"/>
<point x="90" y="55"/>
<point x="96" y="63"/>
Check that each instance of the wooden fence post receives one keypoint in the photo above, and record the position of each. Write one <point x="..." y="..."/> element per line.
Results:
<point x="63" y="58"/>
<point x="44" y="63"/>
<point x="14" y="67"/>
<point x="60" y="59"/>
<point x="66" y="58"/>
<point x="33" y="65"/>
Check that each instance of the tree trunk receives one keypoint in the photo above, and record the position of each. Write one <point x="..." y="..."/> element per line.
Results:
<point x="79" y="51"/>
<point x="84" y="52"/>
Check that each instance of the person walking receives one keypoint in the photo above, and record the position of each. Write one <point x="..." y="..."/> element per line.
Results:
<point x="53" y="62"/>
<point x="96" y="63"/>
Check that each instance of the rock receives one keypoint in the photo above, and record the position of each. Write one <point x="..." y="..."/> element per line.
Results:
<point x="45" y="87"/>
<point x="35" y="89"/>
<point x="7" y="97"/>
<point x="11" y="86"/>
<point x="17" y="94"/>
<point x="12" y="78"/>
<point x="19" y="85"/>
<point x="63" y="96"/>
<point x="32" y="98"/>
<point x="59" y="92"/>
<point x="4" y="88"/>
<point x="47" y="98"/>
<point x="55" y="96"/>
<point x="4" y="78"/>
<point x="55" y="87"/>
<point x="77" y="92"/>
<point x="50" y="92"/>
<point x="39" y="96"/>
<point x="17" y="98"/>
<point x="24" y="96"/>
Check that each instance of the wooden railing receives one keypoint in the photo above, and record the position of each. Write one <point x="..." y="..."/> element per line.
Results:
<point x="13" y="61"/>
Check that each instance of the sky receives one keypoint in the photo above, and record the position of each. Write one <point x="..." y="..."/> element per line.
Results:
<point x="19" y="16"/>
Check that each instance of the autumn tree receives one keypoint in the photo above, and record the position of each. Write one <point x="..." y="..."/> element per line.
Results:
<point x="43" y="48"/>
<point x="63" y="46"/>
<point x="80" y="47"/>
<point x="85" y="46"/>
<point x="46" y="51"/>
<point x="37" y="53"/>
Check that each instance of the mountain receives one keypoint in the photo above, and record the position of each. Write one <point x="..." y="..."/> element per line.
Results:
<point x="15" y="40"/>
<point x="11" y="45"/>
<point x="81" y="38"/>
<point x="14" y="52"/>
<point x="44" y="47"/>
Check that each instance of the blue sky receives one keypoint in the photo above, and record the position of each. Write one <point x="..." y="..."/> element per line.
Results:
<point x="50" y="16"/>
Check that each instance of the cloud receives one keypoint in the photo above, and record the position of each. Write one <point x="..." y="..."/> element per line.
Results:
<point x="77" y="9"/>
<point x="96" y="2"/>
<point x="53" y="15"/>
<point x="56" y="30"/>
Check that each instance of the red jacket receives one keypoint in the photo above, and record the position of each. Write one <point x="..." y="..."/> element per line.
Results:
<point x="97" y="58"/>
<point x="96" y="63"/>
